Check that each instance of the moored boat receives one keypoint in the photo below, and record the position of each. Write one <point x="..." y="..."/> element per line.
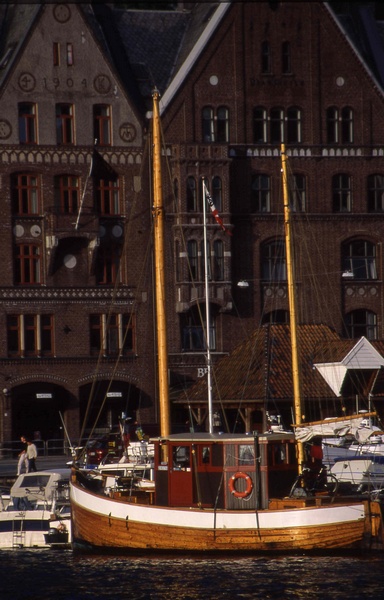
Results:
<point x="36" y="512"/>
<point x="220" y="492"/>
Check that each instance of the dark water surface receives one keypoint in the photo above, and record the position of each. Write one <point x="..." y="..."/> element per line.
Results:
<point x="60" y="575"/>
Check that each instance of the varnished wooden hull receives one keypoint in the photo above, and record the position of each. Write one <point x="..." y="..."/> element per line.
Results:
<point x="102" y="523"/>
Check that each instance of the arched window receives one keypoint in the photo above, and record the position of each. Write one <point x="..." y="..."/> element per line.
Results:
<point x="208" y="124"/>
<point x="273" y="264"/>
<point x="298" y="192"/>
<point x="261" y="193"/>
<point x="193" y="330"/>
<point x="341" y="193"/>
<point x="286" y="66"/>
<point x="191" y="194"/>
<point x="346" y="125"/>
<point x="361" y="322"/>
<point x="376" y="193"/>
<point x="260" y="121"/>
<point x="359" y="260"/>
<point x="193" y="268"/>
<point x="218" y="260"/>
<point x="265" y="57"/>
<point x="293" y="126"/>
<point x="222" y="125"/>
<point x="276" y="126"/>
<point x="332" y="125"/>
<point x="217" y="193"/>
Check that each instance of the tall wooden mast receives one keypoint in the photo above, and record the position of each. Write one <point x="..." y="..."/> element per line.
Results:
<point x="161" y="327"/>
<point x="292" y="304"/>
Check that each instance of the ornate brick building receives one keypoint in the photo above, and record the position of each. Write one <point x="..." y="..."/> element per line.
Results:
<point x="236" y="79"/>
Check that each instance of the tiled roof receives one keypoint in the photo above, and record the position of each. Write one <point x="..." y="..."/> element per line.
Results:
<point x="260" y="368"/>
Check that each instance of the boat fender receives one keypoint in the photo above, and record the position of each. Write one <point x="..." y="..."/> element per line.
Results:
<point x="232" y="485"/>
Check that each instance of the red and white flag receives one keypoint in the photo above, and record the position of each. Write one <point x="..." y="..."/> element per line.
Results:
<point x="214" y="210"/>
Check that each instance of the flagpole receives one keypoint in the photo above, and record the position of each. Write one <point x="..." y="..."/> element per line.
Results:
<point x="207" y="316"/>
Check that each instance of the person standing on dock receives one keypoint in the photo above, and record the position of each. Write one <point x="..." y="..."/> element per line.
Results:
<point x="31" y="455"/>
<point x="23" y="461"/>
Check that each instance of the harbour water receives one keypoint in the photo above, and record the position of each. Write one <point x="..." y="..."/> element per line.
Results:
<point x="61" y="575"/>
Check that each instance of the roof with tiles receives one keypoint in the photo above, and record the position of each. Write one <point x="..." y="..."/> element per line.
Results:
<point x="260" y="368"/>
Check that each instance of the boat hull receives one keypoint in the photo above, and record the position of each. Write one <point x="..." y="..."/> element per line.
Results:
<point x="103" y="523"/>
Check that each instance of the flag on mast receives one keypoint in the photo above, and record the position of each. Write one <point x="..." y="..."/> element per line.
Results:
<point x="214" y="210"/>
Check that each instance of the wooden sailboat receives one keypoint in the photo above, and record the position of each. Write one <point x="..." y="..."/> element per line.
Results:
<point x="218" y="492"/>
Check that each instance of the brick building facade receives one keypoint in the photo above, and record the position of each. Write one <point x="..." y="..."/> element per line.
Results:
<point x="236" y="79"/>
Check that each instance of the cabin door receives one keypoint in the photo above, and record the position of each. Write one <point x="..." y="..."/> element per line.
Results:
<point x="180" y="480"/>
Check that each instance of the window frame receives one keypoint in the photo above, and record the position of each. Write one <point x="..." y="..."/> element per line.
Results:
<point x="364" y="327"/>
<point x="26" y="193"/>
<point x="260" y="125"/>
<point x="273" y="261"/>
<point x="30" y="335"/>
<point x="67" y="194"/>
<point x="108" y="264"/>
<point x="112" y="334"/>
<point x="64" y="124"/>
<point x="375" y="193"/>
<point x="102" y="124"/>
<point x="260" y="193"/>
<point x="359" y="258"/>
<point x="27" y="123"/>
<point x="341" y="193"/>
<point x="108" y="197"/>
<point x="27" y="264"/>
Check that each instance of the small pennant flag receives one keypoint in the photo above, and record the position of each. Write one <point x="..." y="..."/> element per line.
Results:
<point x="214" y="210"/>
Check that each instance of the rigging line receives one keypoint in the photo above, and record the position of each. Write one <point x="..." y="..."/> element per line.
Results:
<point x="84" y="190"/>
<point x="114" y="294"/>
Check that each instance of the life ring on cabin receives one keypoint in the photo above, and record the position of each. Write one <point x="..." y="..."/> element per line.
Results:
<point x="232" y="485"/>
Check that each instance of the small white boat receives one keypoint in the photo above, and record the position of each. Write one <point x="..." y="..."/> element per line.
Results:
<point x="36" y="512"/>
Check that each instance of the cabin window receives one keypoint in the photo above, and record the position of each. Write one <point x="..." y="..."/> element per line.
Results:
<point x="25" y="194"/>
<point x="261" y="193"/>
<point x="27" y="123"/>
<point x="273" y="264"/>
<point x="359" y="260"/>
<point x="30" y="335"/>
<point x="112" y="334"/>
<point x="67" y="194"/>
<point x="376" y="193"/>
<point x="341" y="193"/>
<point x="361" y="323"/>
<point x="246" y="455"/>
<point x="102" y="124"/>
<point x="27" y="264"/>
<point x="64" y="124"/>
<point x="205" y="455"/>
<point x="181" y="458"/>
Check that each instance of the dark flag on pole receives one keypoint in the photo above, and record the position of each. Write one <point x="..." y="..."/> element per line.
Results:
<point x="214" y="210"/>
<point x="101" y="169"/>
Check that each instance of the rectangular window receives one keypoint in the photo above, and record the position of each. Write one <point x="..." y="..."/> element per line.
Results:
<point x="27" y="264"/>
<point x="112" y="334"/>
<point x="298" y="193"/>
<point x="208" y="125"/>
<point x="64" y="124"/>
<point x="107" y="197"/>
<point x="25" y="194"/>
<point x="108" y="263"/>
<point x="222" y="124"/>
<point x="276" y="126"/>
<point x="259" y="125"/>
<point x="56" y="54"/>
<point x="27" y="123"/>
<point x="341" y="193"/>
<point x="69" y="55"/>
<point x="30" y="335"/>
<point x="67" y="194"/>
<point x="102" y="124"/>
<point x="261" y="193"/>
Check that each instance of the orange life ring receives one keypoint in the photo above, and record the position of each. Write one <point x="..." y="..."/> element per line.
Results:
<point x="232" y="485"/>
